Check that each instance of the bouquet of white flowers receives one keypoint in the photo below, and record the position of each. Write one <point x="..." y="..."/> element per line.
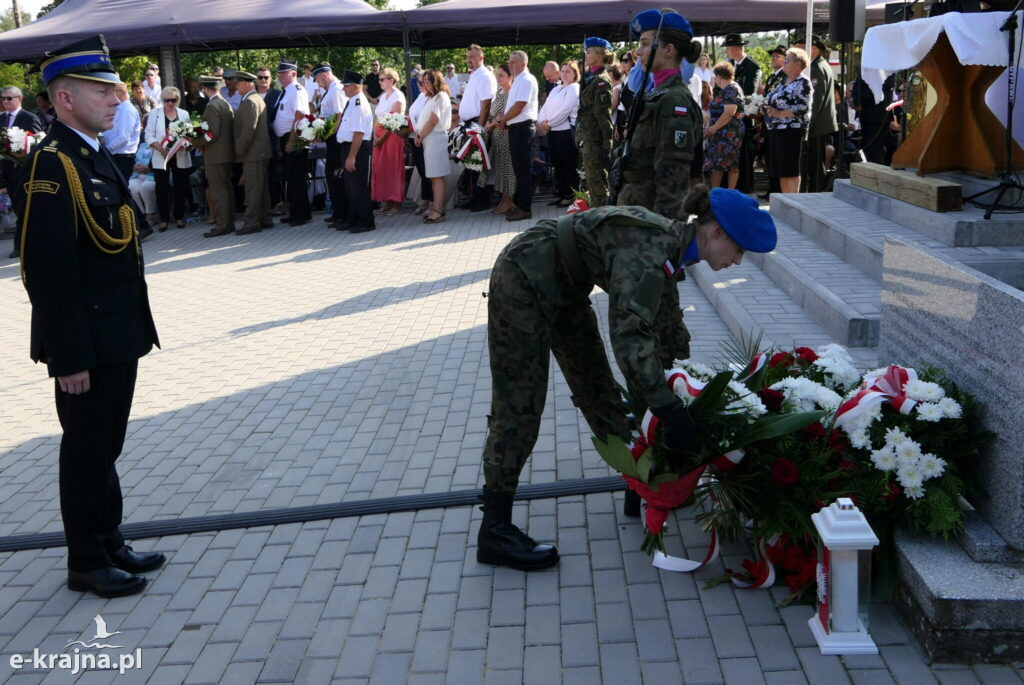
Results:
<point x="393" y="122"/>
<point x="752" y="105"/>
<point x="15" y="141"/>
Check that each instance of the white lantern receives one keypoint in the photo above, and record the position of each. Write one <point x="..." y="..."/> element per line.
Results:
<point x="845" y="541"/>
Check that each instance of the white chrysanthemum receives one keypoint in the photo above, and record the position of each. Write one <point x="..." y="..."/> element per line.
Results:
<point x="807" y="395"/>
<point x="908" y="449"/>
<point x="874" y="413"/>
<point x="835" y="352"/>
<point x="839" y="373"/>
<point x="859" y="439"/>
<point x="923" y="391"/>
<point x="303" y="124"/>
<point x="698" y="369"/>
<point x="884" y="459"/>
<point x="895" y="437"/>
<point x="950" y="408"/>
<point x="914" y="492"/>
<point x="746" y="402"/>
<point x="910" y="476"/>
<point x="931" y="466"/>
<point x="929" y="411"/>
<point x="872" y="375"/>
<point x="308" y="133"/>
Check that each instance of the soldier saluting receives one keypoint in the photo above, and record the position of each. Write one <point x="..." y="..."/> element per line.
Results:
<point x="538" y="305"/>
<point x="91" y="321"/>
<point x="656" y="155"/>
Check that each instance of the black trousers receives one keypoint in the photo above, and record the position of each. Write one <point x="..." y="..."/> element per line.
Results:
<point x="94" y="425"/>
<point x="426" y="187"/>
<point x="359" y="210"/>
<point x="520" y="142"/>
<point x="125" y="164"/>
<point x="564" y="156"/>
<point x="773" y="181"/>
<point x="296" y="174"/>
<point x="746" y="162"/>
<point x="164" y="189"/>
<point x="873" y="135"/>
<point x="814" y="176"/>
<point x="335" y="186"/>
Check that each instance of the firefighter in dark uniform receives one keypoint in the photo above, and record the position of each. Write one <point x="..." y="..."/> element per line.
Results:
<point x="538" y="305"/>
<point x="823" y="124"/>
<point x="83" y="270"/>
<point x="655" y="159"/>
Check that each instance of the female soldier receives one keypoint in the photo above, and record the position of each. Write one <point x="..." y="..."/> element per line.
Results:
<point x="656" y="167"/>
<point x="538" y="304"/>
<point x="594" y="126"/>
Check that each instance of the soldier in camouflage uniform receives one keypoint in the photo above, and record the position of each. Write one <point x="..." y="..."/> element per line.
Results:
<point x="538" y="304"/>
<point x="670" y="125"/>
<point x="594" y="126"/>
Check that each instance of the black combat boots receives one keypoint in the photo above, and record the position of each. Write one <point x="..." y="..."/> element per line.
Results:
<point x="500" y="543"/>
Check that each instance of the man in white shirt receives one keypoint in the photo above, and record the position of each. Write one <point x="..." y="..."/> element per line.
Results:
<point x="292" y="106"/>
<point x="151" y="85"/>
<point x="452" y="79"/>
<point x="230" y="91"/>
<point x="332" y="104"/>
<point x="355" y="133"/>
<point x="122" y="141"/>
<point x="519" y="117"/>
<point x="474" y="108"/>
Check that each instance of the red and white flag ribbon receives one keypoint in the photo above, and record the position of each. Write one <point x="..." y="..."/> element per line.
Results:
<point x="886" y="388"/>
<point x="756" y="364"/>
<point x="683" y="383"/>
<point x="474" y="141"/>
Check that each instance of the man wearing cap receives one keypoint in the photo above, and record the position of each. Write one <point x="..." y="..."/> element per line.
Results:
<point x="253" y="152"/>
<point x="594" y="127"/>
<point x="292" y="106"/>
<point x="777" y="78"/>
<point x="748" y="78"/>
<point x="218" y="147"/>
<point x="823" y="122"/>
<point x="83" y="269"/>
<point x="332" y="104"/>
<point x="538" y="304"/>
<point x="228" y="90"/>
<point x="355" y="134"/>
<point x="656" y="158"/>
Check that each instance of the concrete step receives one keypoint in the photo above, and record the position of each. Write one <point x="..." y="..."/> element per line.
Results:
<point x="858" y="237"/>
<point x="838" y="296"/>
<point x="750" y="304"/>
<point x="965" y="228"/>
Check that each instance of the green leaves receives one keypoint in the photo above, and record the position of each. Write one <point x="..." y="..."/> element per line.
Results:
<point x="617" y="455"/>
<point x="768" y="427"/>
<point x="711" y="396"/>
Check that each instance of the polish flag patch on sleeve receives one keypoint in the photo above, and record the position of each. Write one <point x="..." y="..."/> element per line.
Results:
<point x="668" y="267"/>
<point x="681" y="111"/>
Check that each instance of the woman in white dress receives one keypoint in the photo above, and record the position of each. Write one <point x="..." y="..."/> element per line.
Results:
<point x="432" y="135"/>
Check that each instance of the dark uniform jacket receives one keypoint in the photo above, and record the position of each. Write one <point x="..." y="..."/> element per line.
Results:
<point x="89" y="308"/>
<point x="823" y="104"/>
<point x="748" y="73"/>
<point x="594" y="116"/>
<point x="667" y="132"/>
<point x="627" y="252"/>
<point x="773" y="81"/>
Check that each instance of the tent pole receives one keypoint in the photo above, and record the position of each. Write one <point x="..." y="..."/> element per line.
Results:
<point x="407" y="55"/>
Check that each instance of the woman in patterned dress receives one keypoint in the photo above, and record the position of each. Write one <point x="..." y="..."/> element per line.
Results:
<point x="723" y="131"/>
<point x="501" y="173"/>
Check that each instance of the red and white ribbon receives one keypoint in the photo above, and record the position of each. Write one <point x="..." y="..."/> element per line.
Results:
<point x="474" y="141"/>
<point x="683" y="384"/>
<point x="886" y="388"/>
<point x="764" y="576"/>
<point x="756" y="364"/>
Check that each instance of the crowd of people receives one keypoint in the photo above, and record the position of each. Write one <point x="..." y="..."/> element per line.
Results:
<point x="563" y="131"/>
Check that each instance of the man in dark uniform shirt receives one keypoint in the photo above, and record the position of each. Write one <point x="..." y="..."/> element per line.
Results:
<point x="748" y="76"/>
<point x="91" y="321"/>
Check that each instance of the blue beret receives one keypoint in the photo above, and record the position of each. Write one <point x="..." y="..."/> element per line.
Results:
<point x="595" y="42"/>
<point x="652" y="19"/>
<point x="750" y="226"/>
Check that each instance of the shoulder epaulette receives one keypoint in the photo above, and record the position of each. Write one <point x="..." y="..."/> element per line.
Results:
<point x="51" y="146"/>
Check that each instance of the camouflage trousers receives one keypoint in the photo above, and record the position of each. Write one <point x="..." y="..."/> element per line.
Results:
<point x="640" y="194"/>
<point x="596" y="160"/>
<point x="520" y="340"/>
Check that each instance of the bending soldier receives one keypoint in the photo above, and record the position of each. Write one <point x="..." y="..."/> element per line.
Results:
<point x="657" y="167"/>
<point x="538" y="305"/>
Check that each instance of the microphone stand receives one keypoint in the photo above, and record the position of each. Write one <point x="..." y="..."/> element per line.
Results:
<point x="1008" y="180"/>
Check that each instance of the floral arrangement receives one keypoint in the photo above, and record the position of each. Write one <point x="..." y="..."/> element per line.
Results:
<point x="394" y="122"/>
<point x="580" y="202"/>
<point x="895" y="440"/>
<point x="474" y="161"/>
<point x="752" y="105"/>
<point x="16" y="142"/>
<point x="311" y="129"/>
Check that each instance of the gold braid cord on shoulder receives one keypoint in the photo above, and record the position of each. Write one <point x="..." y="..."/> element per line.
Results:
<point x="103" y="240"/>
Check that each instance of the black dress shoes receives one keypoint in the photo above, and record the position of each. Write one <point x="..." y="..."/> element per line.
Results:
<point x="15" y="253"/>
<point x="300" y="222"/>
<point x="106" y="582"/>
<point x="131" y="561"/>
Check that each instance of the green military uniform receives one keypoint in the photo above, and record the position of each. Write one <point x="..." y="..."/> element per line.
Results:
<point x="594" y="129"/>
<point x="822" y="125"/>
<point x="538" y="303"/>
<point x="657" y="172"/>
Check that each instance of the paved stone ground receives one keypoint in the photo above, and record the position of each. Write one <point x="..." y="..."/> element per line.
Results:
<point x="305" y="366"/>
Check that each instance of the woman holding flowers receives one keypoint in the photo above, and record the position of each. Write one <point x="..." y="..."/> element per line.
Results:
<point x="538" y="305"/>
<point x="387" y="176"/>
<point x="171" y="174"/>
